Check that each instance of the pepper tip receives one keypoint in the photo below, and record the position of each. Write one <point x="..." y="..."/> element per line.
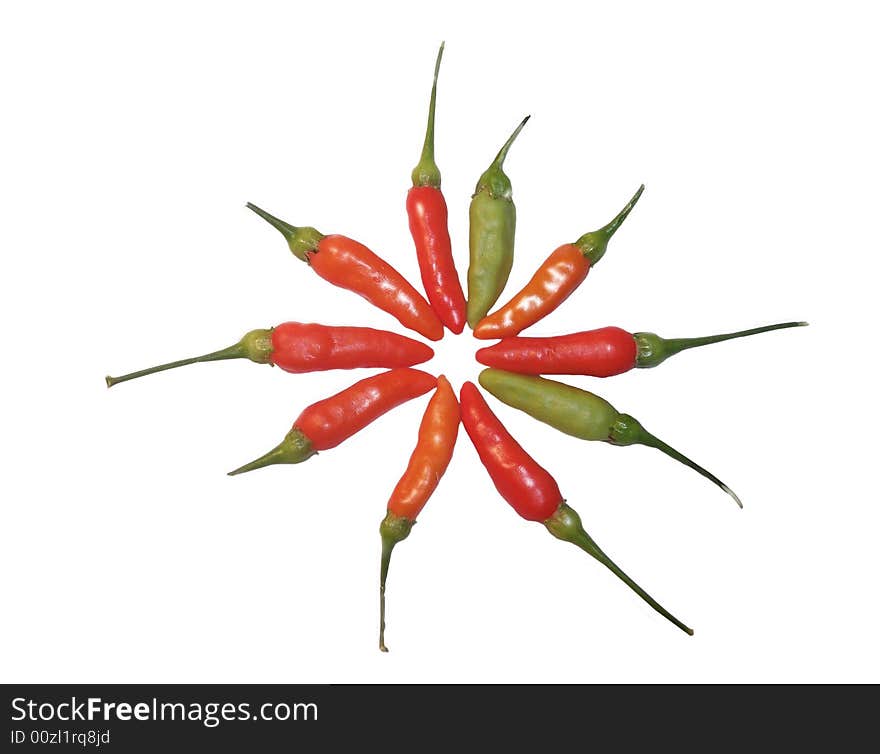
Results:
<point x="733" y="495"/>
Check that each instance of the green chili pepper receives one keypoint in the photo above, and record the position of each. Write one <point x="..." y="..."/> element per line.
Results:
<point x="492" y="229"/>
<point x="580" y="414"/>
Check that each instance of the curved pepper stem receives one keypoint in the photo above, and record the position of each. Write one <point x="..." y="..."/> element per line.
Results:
<point x="566" y="525"/>
<point x="294" y="448"/>
<point x="495" y="180"/>
<point x="594" y="244"/>
<point x="426" y="173"/>
<point x="393" y="529"/>
<point x="626" y="430"/>
<point x="302" y="241"/>
<point x="255" y="345"/>
<point x="652" y="350"/>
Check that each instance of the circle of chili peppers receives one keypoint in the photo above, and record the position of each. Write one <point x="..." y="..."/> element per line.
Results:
<point x="516" y="365"/>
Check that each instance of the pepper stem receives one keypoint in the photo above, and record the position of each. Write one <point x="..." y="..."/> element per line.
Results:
<point x="393" y="529"/>
<point x="255" y="345"/>
<point x="566" y="525"/>
<point x="426" y="173"/>
<point x="594" y="244"/>
<point x="494" y="179"/>
<point x="498" y="162"/>
<point x="302" y="241"/>
<point x="628" y="431"/>
<point x="653" y="350"/>
<point x="294" y="448"/>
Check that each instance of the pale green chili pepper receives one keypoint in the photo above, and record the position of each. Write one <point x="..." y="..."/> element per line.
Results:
<point x="580" y="414"/>
<point x="492" y="229"/>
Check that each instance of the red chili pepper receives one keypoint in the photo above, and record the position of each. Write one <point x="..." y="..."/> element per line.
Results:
<point x="598" y="353"/>
<point x="428" y="225"/>
<point x="327" y="423"/>
<point x="554" y="281"/>
<point x="529" y="488"/>
<point x="351" y="265"/>
<point x="429" y="461"/>
<point x="297" y="347"/>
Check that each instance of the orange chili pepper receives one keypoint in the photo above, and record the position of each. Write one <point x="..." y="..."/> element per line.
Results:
<point x="555" y="280"/>
<point x="437" y="434"/>
<point x="351" y="265"/>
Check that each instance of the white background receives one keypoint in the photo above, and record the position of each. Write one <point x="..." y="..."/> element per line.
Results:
<point x="131" y="140"/>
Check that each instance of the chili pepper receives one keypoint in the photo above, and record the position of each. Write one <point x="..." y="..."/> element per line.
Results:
<point x="492" y="230"/>
<point x="351" y="265"/>
<point x="298" y="347"/>
<point x="331" y="421"/>
<point x="428" y="225"/>
<point x="427" y="464"/>
<point x="555" y="280"/>
<point x="580" y="414"/>
<point x="598" y="353"/>
<point x="530" y="489"/>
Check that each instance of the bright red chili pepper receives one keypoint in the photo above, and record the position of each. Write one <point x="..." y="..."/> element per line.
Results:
<point x="327" y="423"/>
<point x="310" y="348"/>
<point x="351" y="265"/>
<point x="554" y="281"/>
<point x="429" y="461"/>
<point x="530" y="489"/>
<point x="429" y="227"/>
<point x="298" y="347"/>
<point x="526" y="486"/>
<point x="598" y="353"/>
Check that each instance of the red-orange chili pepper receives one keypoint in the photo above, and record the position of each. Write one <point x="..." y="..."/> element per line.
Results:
<point x="351" y="265"/>
<point x="427" y="464"/>
<point x="530" y="489"/>
<point x="429" y="227"/>
<point x="307" y="347"/>
<point x="327" y="423"/>
<point x="598" y="353"/>
<point x="554" y="281"/>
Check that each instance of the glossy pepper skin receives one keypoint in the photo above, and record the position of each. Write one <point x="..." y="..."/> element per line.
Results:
<point x="598" y="353"/>
<point x="580" y="413"/>
<point x="351" y="265"/>
<point x="553" y="282"/>
<point x="331" y="421"/>
<point x="429" y="227"/>
<point x="300" y="347"/>
<point x="530" y="489"/>
<point x="427" y="464"/>
<point x="492" y="231"/>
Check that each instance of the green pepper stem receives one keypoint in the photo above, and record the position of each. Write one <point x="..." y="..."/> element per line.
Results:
<point x="294" y="448"/>
<point x="494" y="180"/>
<point x="302" y="241"/>
<point x="233" y="352"/>
<point x="656" y="442"/>
<point x="626" y="430"/>
<point x="611" y="228"/>
<point x="653" y="350"/>
<point x="426" y="173"/>
<point x="255" y="345"/>
<point x="498" y="162"/>
<point x="393" y="529"/>
<point x="566" y="525"/>
<point x="594" y="244"/>
<point x="286" y="229"/>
